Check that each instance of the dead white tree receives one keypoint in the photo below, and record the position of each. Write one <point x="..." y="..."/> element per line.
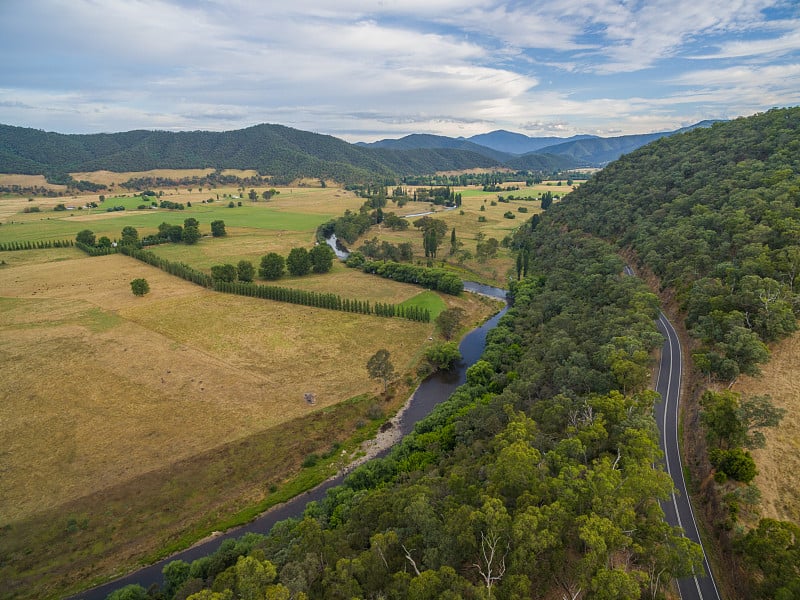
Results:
<point x="492" y="566"/>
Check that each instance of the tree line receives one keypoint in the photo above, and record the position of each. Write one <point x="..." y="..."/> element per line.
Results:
<point x="35" y="245"/>
<point x="440" y="280"/>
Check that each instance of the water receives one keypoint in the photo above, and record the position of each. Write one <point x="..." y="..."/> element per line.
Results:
<point x="430" y="392"/>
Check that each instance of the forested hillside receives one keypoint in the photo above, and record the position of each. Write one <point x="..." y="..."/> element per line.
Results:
<point x="281" y="152"/>
<point x="715" y="214"/>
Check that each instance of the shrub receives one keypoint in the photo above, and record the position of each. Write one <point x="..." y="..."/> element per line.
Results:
<point x="140" y="287"/>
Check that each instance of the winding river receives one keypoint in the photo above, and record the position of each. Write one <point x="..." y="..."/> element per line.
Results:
<point x="430" y="392"/>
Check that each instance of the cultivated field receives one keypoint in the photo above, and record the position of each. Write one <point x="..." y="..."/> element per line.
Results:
<point x="130" y="425"/>
<point x="779" y="463"/>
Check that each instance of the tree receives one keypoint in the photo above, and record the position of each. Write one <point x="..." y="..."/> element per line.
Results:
<point x="453" y="242"/>
<point x="140" y="287"/>
<point x="104" y="242"/>
<point x="218" y="228"/>
<point x="85" y="236"/>
<point x="736" y="463"/>
<point x="191" y="222"/>
<point x="130" y="592"/>
<point x="380" y="367"/>
<point x="442" y="357"/>
<point x="226" y="272"/>
<point x="190" y="234"/>
<point x="253" y="195"/>
<point x="272" y="266"/>
<point x="130" y="235"/>
<point x="175" y="575"/>
<point x="245" y="270"/>
<point x="321" y="257"/>
<point x="298" y="262"/>
<point x="449" y="320"/>
<point x="547" y="200"/>
<point x="175" y="233"/>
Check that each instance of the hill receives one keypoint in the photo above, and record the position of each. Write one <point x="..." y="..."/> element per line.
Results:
<point x="282" y="152"/>
<point x="518" y="143"/>
<point x="426" y="141"/>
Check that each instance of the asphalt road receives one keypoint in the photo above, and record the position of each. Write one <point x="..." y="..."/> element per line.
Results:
<point x="678" y="510"/>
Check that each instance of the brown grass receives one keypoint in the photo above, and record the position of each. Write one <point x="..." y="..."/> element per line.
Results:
<point x="29" y="181"/>
<point x="103" y="386"/>
<point x="779" y="463"/>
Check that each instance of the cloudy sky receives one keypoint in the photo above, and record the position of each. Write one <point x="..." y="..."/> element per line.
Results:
<point x="366" y="70"/>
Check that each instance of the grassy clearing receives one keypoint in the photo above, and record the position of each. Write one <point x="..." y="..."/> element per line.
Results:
<point x="779" y="463"/>
<point x="430" y="300"/>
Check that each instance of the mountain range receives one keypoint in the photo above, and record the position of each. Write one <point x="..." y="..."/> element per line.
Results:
<point x="286" y="153"/>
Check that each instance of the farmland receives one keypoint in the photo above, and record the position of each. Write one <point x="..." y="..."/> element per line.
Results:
<point x="118" y="406"/>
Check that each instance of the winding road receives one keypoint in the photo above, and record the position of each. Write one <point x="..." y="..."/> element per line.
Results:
<point x="678" y="510"/>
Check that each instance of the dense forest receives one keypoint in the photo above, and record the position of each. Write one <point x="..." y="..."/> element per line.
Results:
<point x="715" y="214"/>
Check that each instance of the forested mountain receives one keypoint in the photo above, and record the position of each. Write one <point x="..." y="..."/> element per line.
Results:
<point x="426" y="141"/>
<point x="282" y="152"/>
<point x="518" y="143"/>
<point x="285" y="153"/>
<point x="598" y="151"/>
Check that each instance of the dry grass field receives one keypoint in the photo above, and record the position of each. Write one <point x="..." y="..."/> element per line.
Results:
<point x="131" y="426"/>
<point x="779" y="463"/>
<point x="102" y="386"/>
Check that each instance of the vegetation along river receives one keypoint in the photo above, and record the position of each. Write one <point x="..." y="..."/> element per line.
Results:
<point x="430" y="392"/>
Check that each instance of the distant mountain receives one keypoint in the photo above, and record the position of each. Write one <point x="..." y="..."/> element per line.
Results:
<point x="275" y="150"/>
<point x="427" y="141"/>
<point x="598" y="152"/>
<point x="518" y="143"/>
<point x="286" y="153"/>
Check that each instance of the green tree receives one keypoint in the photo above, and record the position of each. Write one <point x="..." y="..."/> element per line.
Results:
<point x="443" y="356"/>
<point x="253" y="195"/>
<point x="191" y="222"/>
<point x="175" y="233"/>
<point x="104" y="242"/>
<point x="298" y="262"/>
<point x="226" y="272"/>
<point x="380" y="367"/>
<point x="218" y="228"/>
<point x="130" y="235"/>
<point x="245" y="270"/>
<point x="85" y="236"/>
<point x="130" y="592"/>
<point x="190" y="235"/>
<point x="321" y="257"/>
<point x="449" y="321"/>
<point x="175" y="575"/>
<point x="736" y="463"/>
<point x="272" y="266"/>
<point x="140" y="287"/>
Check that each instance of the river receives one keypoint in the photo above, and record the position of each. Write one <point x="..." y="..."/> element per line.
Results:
<point x="430" y="392"/>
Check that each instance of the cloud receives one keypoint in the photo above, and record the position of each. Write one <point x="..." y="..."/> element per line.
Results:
<point x="452" y="67"/>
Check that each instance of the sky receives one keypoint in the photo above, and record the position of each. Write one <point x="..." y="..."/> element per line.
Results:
<point x="365" y="70"/>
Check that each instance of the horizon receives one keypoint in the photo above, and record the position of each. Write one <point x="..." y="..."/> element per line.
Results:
<point x="565" y="137"/>
<point x="384" y="70"/>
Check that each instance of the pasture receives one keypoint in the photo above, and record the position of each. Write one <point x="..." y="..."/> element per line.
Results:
<point x="117" y="406"/>
<point x="778" y="463"/>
